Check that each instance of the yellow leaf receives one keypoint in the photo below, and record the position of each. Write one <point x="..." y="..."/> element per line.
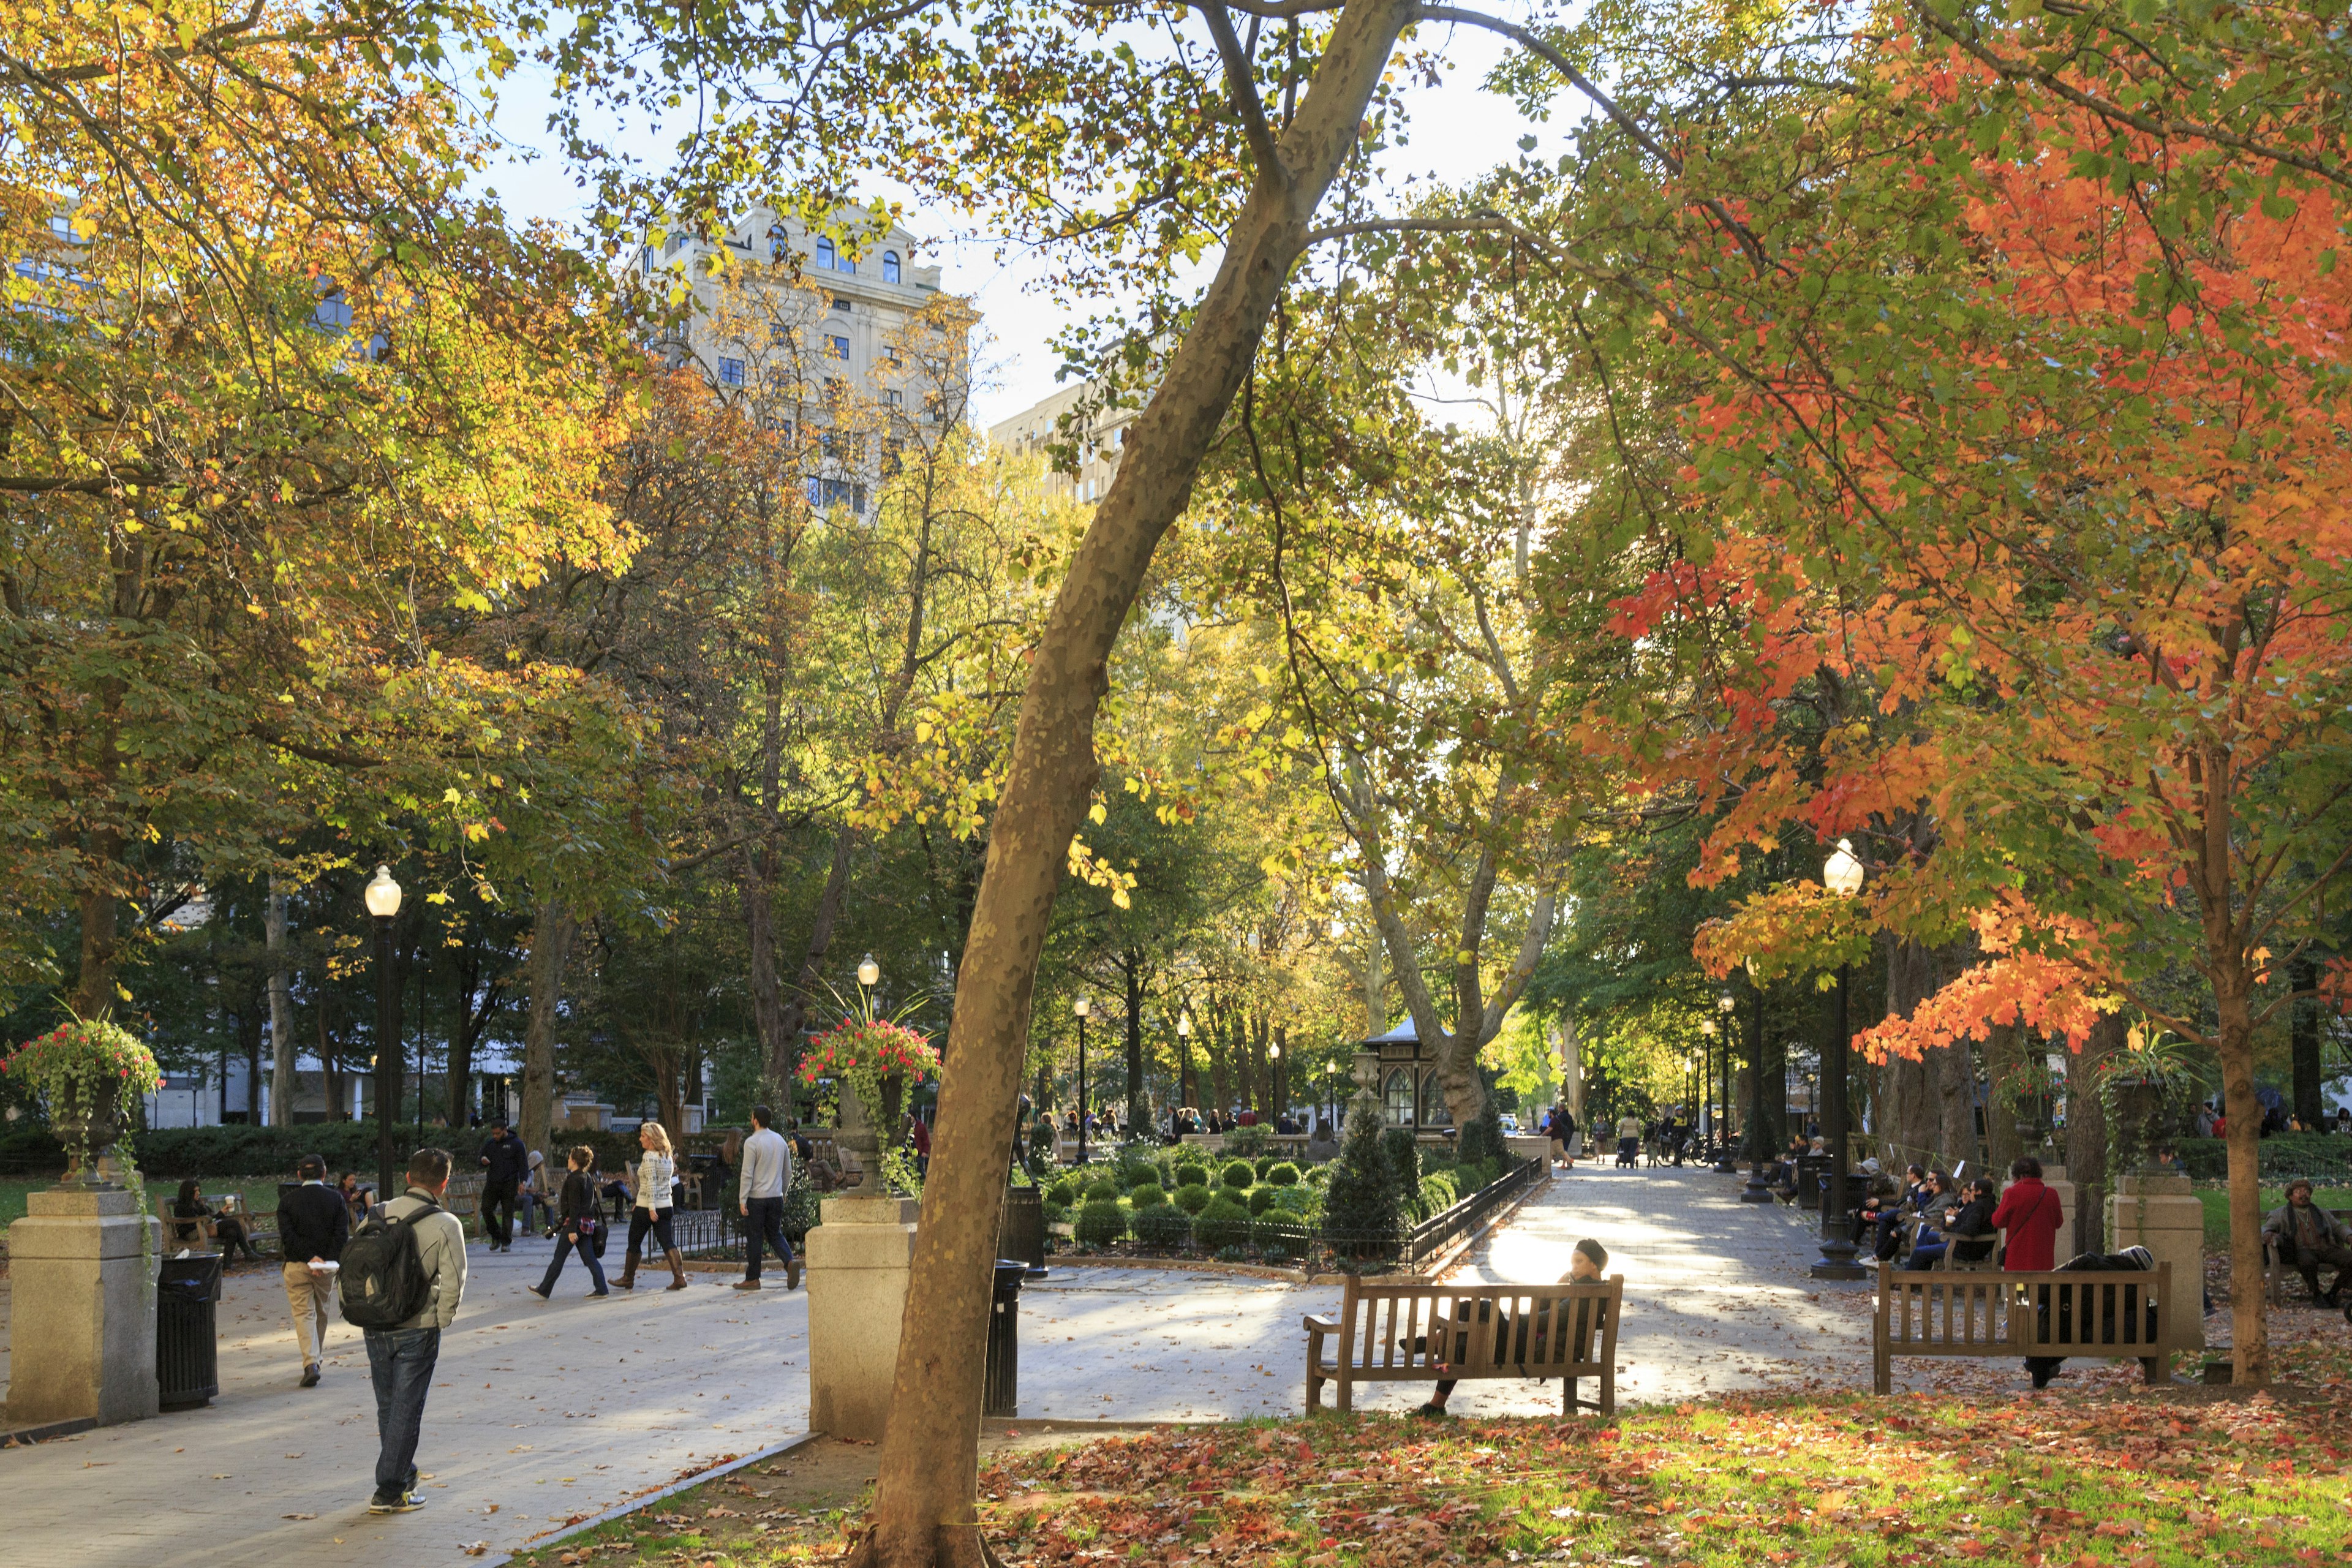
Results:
<point x="451" y="796"/>
<point x="1098" y="814"/>
<point x="922" y="732"/>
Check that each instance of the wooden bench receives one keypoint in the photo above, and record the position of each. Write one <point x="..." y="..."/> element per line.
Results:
<point x="1404" y="1333"/>
<point x="1987" y="1315"/>
<point x="2275" y="1274"/>
<point x="203" y="1235"/>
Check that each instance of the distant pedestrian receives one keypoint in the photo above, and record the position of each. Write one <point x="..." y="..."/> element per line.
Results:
<point x="536" y="1196"/>
<point x="1629" y="1138"/>
<point x="767" y="1176"/>
<point x="2030" y="1212"/>
<point x="656" y="1175"/>
<point x="312" y="1222"/>
<point x="579" y="1225"/>
<point x="504" y="1166"/>
<point x="401" y="1358"/>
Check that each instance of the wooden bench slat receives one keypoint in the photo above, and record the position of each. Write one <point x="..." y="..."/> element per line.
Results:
<point x="1406" y="1332"/>
<point x="1921" y="1313"/>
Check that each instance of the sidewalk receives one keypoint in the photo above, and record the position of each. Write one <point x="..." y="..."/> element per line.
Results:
<point x="546" y="1411"/>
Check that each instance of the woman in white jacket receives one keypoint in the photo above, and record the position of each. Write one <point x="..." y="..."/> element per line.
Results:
<point x="656" y="1172"/>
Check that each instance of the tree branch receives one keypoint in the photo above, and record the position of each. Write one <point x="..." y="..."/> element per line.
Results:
<point x="1242" y="84"/>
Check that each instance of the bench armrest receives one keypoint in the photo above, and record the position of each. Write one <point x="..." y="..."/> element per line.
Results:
<point x="1319" y="1325"/>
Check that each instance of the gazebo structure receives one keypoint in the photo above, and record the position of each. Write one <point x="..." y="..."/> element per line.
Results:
<point x="1404" y="1072"/>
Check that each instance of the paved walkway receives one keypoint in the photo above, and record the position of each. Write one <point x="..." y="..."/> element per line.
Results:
<point x="541" y="1413"/>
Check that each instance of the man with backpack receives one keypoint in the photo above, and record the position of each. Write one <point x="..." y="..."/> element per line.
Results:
<point x="404" y="1274"/>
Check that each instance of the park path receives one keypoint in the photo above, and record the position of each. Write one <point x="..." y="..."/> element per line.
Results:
<point x="554" y="1411"/>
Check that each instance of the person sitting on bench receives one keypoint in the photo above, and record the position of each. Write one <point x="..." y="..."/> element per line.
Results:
<point x="1971" y="1218"/>
<point x="1584" y="1267"/>
<point x="2044" y="1367"/>
<point x="2307" y="1235"/>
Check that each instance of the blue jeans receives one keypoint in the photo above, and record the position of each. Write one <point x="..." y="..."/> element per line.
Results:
<point x="564" y="1245"/>
<point x="399" y="1364"/>
<point x="764" y="1223"/>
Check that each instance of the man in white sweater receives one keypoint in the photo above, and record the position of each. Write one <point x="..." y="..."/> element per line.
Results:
<point x="766" y="1176"/>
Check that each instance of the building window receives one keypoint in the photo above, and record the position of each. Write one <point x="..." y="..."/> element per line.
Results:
<point x="1396" y="1097"/>
<point x="730" y="373"/>
<point x="894" y="397"/>
<point x="889" y="266"/>
<point x="837" y="346"/>
<point x="775" y="244"/>
<point x="1433" y="1102"/>
<point x="827" y="494"/>
<point x="841" y="303"/>
<point x="826" y="255"/>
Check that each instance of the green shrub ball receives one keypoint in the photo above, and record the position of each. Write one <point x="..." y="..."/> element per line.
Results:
<point x="1191" y="1174"/>
<point x="1103" y="1190"/>
<point x="1101" y="1223"/>
<point x="1139" y="1180"/>
<point x="1163" y="1227"/>
<point x="1192" y="1197"/>
<point x="1283" y="1174"/>
<point x="1261" y="1199"/>
<point x="1239" y="1175"/>
<point x="1223" y="1223"/>
<point x="1148" y="1196"/>
<point x="1064" y="1192"/>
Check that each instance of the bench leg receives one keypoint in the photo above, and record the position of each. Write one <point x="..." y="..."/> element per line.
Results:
<point x="1609" y="1384"/>
<point x="1882" y="1368"/>
<point x="1347" y="1392"/>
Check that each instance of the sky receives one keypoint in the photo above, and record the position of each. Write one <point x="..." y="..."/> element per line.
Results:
<point x="1457" y="131"/>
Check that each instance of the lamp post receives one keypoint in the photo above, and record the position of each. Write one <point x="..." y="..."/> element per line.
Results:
<point x="1843" y="876"/>
<point x="382" y="896"/>
<point x="869" y="975"/>
<point x="1332" y="1092"/>
<point x="1759" y="1118"/>
<point x="1082" y="1007"/>
<point x="1713" y="1122"/>
<point x="1274" y="1072"/>
<point x="1184" y="1044"/>
<point x="1726" y="1003"/>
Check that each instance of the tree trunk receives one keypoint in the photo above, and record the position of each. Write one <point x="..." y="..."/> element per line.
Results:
<point x="2004" y="1064"/>
<point x="1908" y="1100"/>
<point x="552" y="931"/>
<point x="101" y="946"/>
<point x="283" y="1053"/>
<point x="2090" y="1142"/>
<point x="2303" y="1042"/>
<point x="330" y="1073"/>
<point x="248" y="1030"/>
<point x="2248" y="1304"/>
<point x="923" y="1510"/>
<point x="756" y="876"/>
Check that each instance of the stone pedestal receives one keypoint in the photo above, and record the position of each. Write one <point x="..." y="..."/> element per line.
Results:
<point x="858" y="1260"/>
<point x="2073" y="1226"/>
<point x="2161" y="1214"/>
<point x="81" y="1329"/>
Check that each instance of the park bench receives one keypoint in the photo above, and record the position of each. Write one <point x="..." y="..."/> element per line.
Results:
<point x="1401" y="1333"/>
<point x="2002" y="1314"/>
<point x="2275" y="1274"/>
<point x="203" y="1235"/>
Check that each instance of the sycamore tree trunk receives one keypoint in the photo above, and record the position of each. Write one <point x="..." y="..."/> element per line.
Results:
<point x="2090" y="1141"/>
<point x="923" y="1509"/>
<point x="552" y="931"/>
<point x="282" y="1051"/>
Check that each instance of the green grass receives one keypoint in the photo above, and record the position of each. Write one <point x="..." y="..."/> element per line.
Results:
<point x="260" y="1193"/>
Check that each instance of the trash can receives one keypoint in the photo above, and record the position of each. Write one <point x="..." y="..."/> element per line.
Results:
<point x="188" y="1352"/>
<point x="1001" y="1383"/>
<point x="1020" y="1228"/>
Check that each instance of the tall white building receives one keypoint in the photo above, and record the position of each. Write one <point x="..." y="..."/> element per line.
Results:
<point x="1101" y="438"/>
<point x="841" y="341"/>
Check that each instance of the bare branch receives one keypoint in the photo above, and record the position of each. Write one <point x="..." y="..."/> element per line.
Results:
<point x="1242" y="83"/>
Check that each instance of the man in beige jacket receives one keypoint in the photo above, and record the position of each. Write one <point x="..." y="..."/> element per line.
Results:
<point x="401" y="1358"/>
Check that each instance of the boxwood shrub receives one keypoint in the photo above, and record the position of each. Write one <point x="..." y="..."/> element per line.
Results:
<point x="1238" y="1175"/>
<point x="1192" y="1197"/>
<point x="1101" y="1223"/>
<point x="1223" y="1223"/>
<point x="1103" y="1190"/>
<point x="1064" y="1192"/>
<point x="1146" y="1195"/>
<point x="1191" y="1174"/>
<point x="1261" y="1199"/>
<point x="1282" y="1173"/>
<point x="1164" y="1227"/>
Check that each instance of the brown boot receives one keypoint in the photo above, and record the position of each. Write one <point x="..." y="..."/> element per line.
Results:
<point x="792" y="1274"/>
<point x="677" y="1270"/>
<point x="628" y="1280"/>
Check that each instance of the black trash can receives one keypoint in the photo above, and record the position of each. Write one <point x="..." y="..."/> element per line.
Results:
<point x="1020" y="1228"/>
<point x="1001" y="1383"/>
<point x="187" y="1350"/>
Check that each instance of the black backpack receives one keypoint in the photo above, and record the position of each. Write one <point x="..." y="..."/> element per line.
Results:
<point x="382" y="1283"/>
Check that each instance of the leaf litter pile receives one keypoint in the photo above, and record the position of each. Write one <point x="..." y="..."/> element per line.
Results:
<point x="2139" y="1479"/>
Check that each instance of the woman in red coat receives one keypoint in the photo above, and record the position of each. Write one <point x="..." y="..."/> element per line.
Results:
<point x="2029" y="1213"/>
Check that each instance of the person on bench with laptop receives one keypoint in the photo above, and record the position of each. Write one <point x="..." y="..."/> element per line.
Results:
<point x="1584" y="1267"/>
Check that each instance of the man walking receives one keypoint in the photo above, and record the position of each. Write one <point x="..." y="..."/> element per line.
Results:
<point x="401" y="1358"/>
<point x="312" y="1221"/>
<point x="504" y="1167"/>
<point x="767" y="1176"/>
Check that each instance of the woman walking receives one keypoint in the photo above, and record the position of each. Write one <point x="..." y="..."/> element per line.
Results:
<point x="579" y="1224"/>
<point x="656" y="1173"/>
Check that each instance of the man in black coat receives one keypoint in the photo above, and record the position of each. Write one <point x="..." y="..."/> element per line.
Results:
<point x="312" y="1222"/>
<point x="505" y="1164"/>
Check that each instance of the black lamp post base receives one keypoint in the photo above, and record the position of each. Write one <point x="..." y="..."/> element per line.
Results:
<point x="1837" y="1261"/>
<point x="1756" y="1191"/>
<point x="1723" y="1167"/>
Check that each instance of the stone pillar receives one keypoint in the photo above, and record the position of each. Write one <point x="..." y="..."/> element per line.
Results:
<point x="2161" y="1214"/>
<point x="858" y="1261"/>
<point x="81" y="1330"/>
<point x="2054" y="1178"/>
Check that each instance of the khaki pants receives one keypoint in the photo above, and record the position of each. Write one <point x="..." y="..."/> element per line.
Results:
<point x="306" y="1295"/>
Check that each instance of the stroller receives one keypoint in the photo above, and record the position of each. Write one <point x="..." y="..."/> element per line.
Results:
<point x="1626" y="1148"/>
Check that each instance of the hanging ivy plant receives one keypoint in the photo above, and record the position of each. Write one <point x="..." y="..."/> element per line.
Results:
<point x="862" y="1052"/>
<point x="86" y="1070"/>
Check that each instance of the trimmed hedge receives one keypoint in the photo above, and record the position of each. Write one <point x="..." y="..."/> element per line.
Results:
<point x="1146" y="1177"/>
<point x="1223" y="1223"/>
<point x="1100" y="1223"/>
<point x="1164" y="1225"/>
<point x="1283" y="1174"/>
<point x="1103" y="1190"/>
<point x="1064" y="1192"/>
<point x="1238" y="1175"/>
<point x="1147" y="1195"/>
<point x="1191" y="1174"/>
<point x="2314" y="1155"/>
<point x="1192" y="1197"/>
<point x="1261" y="1199"/>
